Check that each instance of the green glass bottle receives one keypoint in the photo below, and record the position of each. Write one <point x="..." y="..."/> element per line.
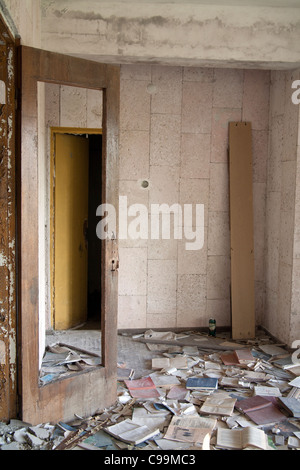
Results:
<point x="212" y="327"/>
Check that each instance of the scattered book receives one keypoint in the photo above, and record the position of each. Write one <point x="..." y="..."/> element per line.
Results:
<point x="284" y="362"/>
<point x="239" y="357"/>
<point x="130" y="432"/>
<point x="142" y="388"/>
<point x="191" y="429"/>
<point x="202" y="383"/>
<point x="241" y="438"/>
<point x="267" y="391"/>
<point x="293" y="442"/>
<point x="163" y="380"/>
<point x="244" y="356"/>
<point x="253" y="376"/>
<point x="179" y="362"/>
<point x="169" y="445"/>
<point x="295" y="370"/>
<point x="210" y="365"/>
<point x="261" y="410"/>
<point x="294" y="393"/>
<point x="229" y="359"/>
<point x="292" y="405"/>
<point x="153" y="421"/>
<point x="229" y="382"/>
<point x="272" y="349"/>
<point x="101" y="440"/>
<point x="295" y="382"/>
<point x="219" y="404"/>
<point x="178" y="393"/>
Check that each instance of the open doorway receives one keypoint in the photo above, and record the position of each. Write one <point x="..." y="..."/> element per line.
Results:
<point x="76" y="251"/>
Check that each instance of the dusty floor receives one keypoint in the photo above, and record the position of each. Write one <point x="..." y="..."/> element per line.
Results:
<point x="136" y="354"/>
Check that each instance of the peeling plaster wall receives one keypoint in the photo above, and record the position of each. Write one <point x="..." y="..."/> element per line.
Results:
<point x="177" y="34"/>
<point x="22" y="18"/>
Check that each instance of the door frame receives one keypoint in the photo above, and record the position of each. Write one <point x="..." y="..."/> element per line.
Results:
<point x="77" y="131"/>
<point x="84" y="393"/>
<point x="8" y="228"/>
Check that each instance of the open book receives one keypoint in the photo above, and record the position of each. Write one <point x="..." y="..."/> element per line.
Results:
<point x="241" y="438"/>
<point x="219" y="404"/>
<point x="191" y="429"/>
<point x="131" y="432"/>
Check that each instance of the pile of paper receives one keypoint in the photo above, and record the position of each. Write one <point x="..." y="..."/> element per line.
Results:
<point x="217" y="394"/>
<point x="63" y="360"/>
<point x="203" y="393"/>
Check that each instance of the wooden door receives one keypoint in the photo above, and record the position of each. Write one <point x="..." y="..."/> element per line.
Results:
<point x="83" y="393"/>
<point x="71" y="211"/>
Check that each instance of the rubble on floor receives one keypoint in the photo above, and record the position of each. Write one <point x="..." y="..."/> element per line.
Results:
<point x="202" y="393"/>
<point x="61" y="360"/>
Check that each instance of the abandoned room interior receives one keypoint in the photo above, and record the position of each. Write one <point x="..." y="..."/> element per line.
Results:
<point x="150" y="224"/>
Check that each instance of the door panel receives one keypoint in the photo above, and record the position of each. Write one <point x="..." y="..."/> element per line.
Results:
<point x="83" y="393"/>
<point x="71" y="216"/>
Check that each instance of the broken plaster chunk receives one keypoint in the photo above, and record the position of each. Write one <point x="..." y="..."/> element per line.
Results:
<point x="40" y="432"/>
<point x="20" y="436"/>
<point x="33" y="441"/>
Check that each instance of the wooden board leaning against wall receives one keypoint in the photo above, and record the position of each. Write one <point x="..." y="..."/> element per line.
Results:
<point x="241" y="230"/>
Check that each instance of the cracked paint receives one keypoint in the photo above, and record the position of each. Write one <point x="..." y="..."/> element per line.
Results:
<point x="8" y="346"/>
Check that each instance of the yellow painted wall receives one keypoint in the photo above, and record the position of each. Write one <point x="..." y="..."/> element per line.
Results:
<point x="71" y="212"/>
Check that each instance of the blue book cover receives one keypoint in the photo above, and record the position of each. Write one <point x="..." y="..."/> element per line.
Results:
<point x="202" y="382"/>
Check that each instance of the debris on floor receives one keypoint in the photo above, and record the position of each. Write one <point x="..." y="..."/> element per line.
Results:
<point x="201" y="393"/>
<point x="62" y="360"/>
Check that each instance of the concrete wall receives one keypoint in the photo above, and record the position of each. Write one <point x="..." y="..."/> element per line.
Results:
<point x="26" y="16"/>
<point x="63" y="106"/>
<point x="295" y="297"/>
<point x="281" y="316"/>
<point x="174" y="134"/>
<point x="177" y="33"/>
